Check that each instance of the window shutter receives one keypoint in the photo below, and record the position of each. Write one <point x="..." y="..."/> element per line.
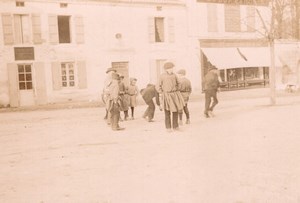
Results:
<point x="40" y="84"/>
<point x="13" y="84"/>
<point x="7" y="29"/>
<point x="232" y="18"/>
<point x="79" y="28"/>
<point x="151" y="30"/>
<point x="81" y="73"/>
<point x="36" y="28"/>
<point x="53" y="29"/>
<point x="56" y="75"/>
<point x="212" y="18"/>
<point x="250" y="18"/>
<point x="171" y="30"/>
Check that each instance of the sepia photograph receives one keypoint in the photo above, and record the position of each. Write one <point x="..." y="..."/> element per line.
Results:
<point x="150" y="101"/>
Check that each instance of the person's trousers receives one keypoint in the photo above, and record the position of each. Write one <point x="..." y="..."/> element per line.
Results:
<point x="209" y="95"/>
<point x="115" y="116"/>
<point x="168" y="119"/>
<point x="186" y="111"/>
<point x="150" y="110"/>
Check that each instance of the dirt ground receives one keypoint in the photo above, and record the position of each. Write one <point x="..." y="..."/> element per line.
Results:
<point x="248" y="153"/>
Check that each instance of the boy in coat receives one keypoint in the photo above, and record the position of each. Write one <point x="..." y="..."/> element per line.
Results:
<point x="211" y="86"/>
<point x="172" y="100"/>
<point x="185" y="89"/>
<point x="132" y="91"/>
<point x="148" y="94"/>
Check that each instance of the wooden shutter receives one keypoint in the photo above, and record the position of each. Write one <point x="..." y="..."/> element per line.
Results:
<point x="53" y="29"/>
<point x="7" y="25"/>
<point x="81" y="73"/>
<point x="40" y="83"/>
<point x="56" y="76"/>
<point x="212" y="22"/>
<point x="232" y="18"/>
<point x="171" y="30"/>
<point x="36" y="28"/>
<point x="13" y="82"/>
<point x="250" y="19"/>
<point x="151" y="30"/>
<point x="79" y="29"/>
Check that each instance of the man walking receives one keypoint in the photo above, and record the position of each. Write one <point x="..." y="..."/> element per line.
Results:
<point x="105" y="92"/>
<point x="148" y="94"/>
<point x="211" y="85"/>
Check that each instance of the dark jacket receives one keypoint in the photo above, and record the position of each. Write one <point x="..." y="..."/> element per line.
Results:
<point x="211" y="81"/>
<point x="149" y="93"/>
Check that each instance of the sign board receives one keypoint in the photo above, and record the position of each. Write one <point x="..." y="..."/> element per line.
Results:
<point x="24" y="53"/>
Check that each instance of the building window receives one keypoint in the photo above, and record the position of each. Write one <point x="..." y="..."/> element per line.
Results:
<point x="25" y="76"/>
<point x="212" y="18"/>
<point x="250" y="22"/>
<point x="64" y="32"/>
<point x="159" y="29"/>
<point x="232" y="18"/>
<point x="22" y="29"/>
<point x="68" y="74"/>
<point x="63" y="5"/>
<point x="20" y="3"/>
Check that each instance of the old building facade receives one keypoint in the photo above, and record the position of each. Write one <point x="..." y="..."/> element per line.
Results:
<point x="54" y="51"/>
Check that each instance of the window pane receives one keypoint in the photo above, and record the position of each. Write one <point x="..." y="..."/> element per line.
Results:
<point x="29" y="85"/>
<point x="20" y="68"/>
<point x="159" y="29"/>
<point x="64" y="84"/>
<point x="22" y="85"/>
<point x="71" y="77"/>
<point x="64" y="78"/>
<point x="63" y="72"/>
<point x="232" y="18"/>
<point x="28" y="68"/>
<point x="64" y="29"/>
<point x="72" y="83"/>
<point x="21" y="77"/>
<point x="25" y="28"/>
<point x="71" y="72"/>
<point x="28" y="77"/>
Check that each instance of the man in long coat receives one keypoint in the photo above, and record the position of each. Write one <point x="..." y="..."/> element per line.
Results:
<point x="172" y="100"/>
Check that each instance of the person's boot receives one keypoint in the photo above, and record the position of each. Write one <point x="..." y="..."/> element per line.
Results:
<point x="187" y="121"/>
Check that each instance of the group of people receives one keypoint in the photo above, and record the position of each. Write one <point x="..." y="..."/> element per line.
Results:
<point x="171" y="94"/>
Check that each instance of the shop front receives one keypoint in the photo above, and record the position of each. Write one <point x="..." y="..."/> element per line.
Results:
<point x="239" y="67"/>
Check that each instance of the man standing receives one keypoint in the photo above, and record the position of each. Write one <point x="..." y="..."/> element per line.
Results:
<point x="105" y="92"/>
<point x="114" y="102"/>
<point x="185" y="89"/>
<point x="211" y="85"/>
<point x="172" y="100"/>
<point x="148" y="94"/>
<point x="123" y="97"/>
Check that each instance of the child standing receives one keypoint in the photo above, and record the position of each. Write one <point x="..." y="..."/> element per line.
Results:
<point x="185" y="89"/>
<point x="132" y="91"/>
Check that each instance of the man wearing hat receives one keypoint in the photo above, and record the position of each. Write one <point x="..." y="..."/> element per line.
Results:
<point x="211" y="86"/>
<point x="105" y="91"/>
<point x="114" y="102"/>
<point x="172" y="100"/>
<point x="185" y="89"/>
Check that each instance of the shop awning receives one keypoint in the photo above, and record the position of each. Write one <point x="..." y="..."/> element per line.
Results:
<point x="234" y="57"/>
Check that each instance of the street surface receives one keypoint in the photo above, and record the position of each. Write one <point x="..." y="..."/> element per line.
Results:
<point x="248" y="153"/>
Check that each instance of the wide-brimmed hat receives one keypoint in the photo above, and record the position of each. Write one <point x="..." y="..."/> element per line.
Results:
<point x="181" y="72"/>
<point x="169" y="65"/>
<point x="110" y="69"/>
